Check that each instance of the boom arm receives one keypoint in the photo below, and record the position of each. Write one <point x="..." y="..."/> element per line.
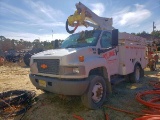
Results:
<point x="83" y="16"/>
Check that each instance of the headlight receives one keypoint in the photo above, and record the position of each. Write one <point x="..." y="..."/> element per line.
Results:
<point x="67" y="70"/>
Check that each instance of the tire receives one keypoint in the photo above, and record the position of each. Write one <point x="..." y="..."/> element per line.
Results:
<point x="89" y="98"/>
<point x="27" y="58"/>
<point x="136" y="75"/>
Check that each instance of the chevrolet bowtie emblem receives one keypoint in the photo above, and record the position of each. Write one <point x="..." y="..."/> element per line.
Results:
<point x="44" y="66"/>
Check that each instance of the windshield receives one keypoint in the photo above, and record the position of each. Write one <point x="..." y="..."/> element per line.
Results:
<point x="82" y="39"/>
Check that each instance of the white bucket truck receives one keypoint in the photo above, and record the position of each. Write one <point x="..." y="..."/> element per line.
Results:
<point x="88" y="62"/>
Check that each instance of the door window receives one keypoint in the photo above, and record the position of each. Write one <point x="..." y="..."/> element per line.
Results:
<point x="106" y="40"/>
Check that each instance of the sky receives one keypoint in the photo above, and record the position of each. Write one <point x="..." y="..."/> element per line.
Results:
<point x="45" y="19"/>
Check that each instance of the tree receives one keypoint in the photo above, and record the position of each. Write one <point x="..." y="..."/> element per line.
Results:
<point x="6" y="45"/>
<point x="133" y="33"/>
<point x="156" y="33"/>
<point x="2" y="38"/>
<point x="37" y="44"/>
<point x="144" y="33"/>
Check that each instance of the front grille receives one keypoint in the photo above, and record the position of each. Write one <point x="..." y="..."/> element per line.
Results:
<point x="52" y="66"/>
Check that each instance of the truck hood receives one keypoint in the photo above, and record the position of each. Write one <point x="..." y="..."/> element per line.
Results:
<point x="69" y="56"/>
<point x="55" y="53"/>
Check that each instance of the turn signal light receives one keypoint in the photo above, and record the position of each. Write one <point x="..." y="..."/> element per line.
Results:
<point x="81" y="58"/>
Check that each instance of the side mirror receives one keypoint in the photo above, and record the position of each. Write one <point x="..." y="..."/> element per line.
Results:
<point x="115" y="37"/>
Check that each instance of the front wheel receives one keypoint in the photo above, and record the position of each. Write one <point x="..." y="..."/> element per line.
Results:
<point x="95" y="95"/>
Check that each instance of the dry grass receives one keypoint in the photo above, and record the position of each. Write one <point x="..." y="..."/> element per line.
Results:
<point x="52" y="107"/>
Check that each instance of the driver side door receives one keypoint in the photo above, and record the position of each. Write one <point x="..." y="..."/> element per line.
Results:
<point x="109" y="53"/>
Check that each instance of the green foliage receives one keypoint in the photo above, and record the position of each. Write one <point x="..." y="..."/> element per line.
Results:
<point x="156" y="34"/>
<point x="142" y="33"/>
<point x="149" y="36"/>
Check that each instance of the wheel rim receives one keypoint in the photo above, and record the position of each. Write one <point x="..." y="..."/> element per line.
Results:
<point x="97" y="92"/>
<point x="137" y="74"/>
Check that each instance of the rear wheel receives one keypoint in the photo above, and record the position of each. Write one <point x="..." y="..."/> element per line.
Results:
<point x="95" y="95"/>
<point x="135" y="76"/>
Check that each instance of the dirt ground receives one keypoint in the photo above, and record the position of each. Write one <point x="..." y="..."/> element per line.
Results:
<point x="52" y="107"/>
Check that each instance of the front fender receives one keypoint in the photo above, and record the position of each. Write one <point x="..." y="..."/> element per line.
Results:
<point x="94" y="63"/>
